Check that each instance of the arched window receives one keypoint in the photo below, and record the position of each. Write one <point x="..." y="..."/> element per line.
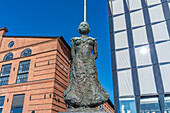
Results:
<point x="26" y="52"/>
<point x="8" y="56"/>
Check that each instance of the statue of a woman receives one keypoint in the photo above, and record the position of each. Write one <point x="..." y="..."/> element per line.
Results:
<point x="84" y="90"/>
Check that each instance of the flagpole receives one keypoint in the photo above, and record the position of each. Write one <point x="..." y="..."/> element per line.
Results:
<point x="85" y="10"/>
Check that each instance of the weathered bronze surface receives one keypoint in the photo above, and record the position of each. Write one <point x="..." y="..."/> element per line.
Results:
<point x="84" y="92"/>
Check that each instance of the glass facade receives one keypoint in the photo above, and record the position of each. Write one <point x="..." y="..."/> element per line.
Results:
<point x="167" y="104"/>
<point x="23" y="71"/>
<point x="127" y="105"/>
<point x="149" y="105"/>
<point x="140" y="44"/>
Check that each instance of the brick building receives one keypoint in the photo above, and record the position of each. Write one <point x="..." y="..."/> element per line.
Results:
<point x="34" y="73"/>
<point x="107" y="107"/>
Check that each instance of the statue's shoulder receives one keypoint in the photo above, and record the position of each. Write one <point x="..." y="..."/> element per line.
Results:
<point x="92" y="38"/>
<point x="75" y="38"/>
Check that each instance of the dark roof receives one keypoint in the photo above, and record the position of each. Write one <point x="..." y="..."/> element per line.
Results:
<point x="110" y="103"/>
<point x="63" y="40"/>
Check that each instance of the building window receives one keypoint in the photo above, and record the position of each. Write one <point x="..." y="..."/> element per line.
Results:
<point x="165" y="72"/>
<point x="127" y="105"/>
<point x="143" y="56"/>
<point x="146" y="78"/>
<point x="125" y="83"/>
<point x="5" y="73"/>
<point x="23" y="71"/>
<point x="149" y="105"/>
<point x="26" y="52"/>
<point x="8" y="56"/>
<point x="123" y="59"/>
<point x="17" y="103"/>
<point x="1" y="103"/>
<point x="167" y="104"/>
<point x="11" y="44"/>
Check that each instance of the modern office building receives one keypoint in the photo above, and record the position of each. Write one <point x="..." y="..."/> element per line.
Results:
<point x="34" y="74"/>
<point x="140" y="48"/>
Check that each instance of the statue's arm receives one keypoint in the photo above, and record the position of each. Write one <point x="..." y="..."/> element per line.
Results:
<point x="95" y="51"/>
<point x="72" y="50"/>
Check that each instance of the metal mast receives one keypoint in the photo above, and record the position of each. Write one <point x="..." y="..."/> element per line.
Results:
<point x="85" y="10"/>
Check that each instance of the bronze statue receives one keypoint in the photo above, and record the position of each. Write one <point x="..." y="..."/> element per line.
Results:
<point x="84" y="91"/>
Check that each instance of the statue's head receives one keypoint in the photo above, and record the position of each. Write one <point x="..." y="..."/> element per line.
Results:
<point x="84" y="28"/>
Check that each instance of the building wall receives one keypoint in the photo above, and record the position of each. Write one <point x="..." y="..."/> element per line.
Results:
<point x="139" y="37"/>
<point x="107" y="107"/>
<point x="48" y="73"/>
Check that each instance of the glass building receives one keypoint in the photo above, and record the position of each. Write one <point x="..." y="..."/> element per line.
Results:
<point x="140" y="48"/>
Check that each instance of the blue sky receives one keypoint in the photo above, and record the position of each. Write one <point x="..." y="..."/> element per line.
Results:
<point x="62" y="18"/>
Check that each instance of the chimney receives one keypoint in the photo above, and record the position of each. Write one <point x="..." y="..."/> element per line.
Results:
<point x="2" y="33"/>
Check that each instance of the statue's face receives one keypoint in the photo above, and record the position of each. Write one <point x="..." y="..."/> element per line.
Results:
<point x="84" y="28"/>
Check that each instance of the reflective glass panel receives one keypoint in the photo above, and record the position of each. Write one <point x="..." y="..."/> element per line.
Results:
<point x="165" y="72"/>
<point x="149" y="105"/>
<point x="160" y="31"/>
<point x="167" y="104"/>
<point x="153" y="2"/>
<point x="121" y="40"/>
<point x="143" y="55"/>
<point x="134" y="4"/>
<point x="146" y="78"/>
<point x="123" y="59"/>
<point x="156" y="13"/>
<point x="140" y="36"/>
<point x="137" y="18"/>
<point x="125" y="83"/>
<point x="127" y="105"/>
<point x="118" y="7"/>
<point x="163" y="51"/>
<point x="119" y="23"/>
